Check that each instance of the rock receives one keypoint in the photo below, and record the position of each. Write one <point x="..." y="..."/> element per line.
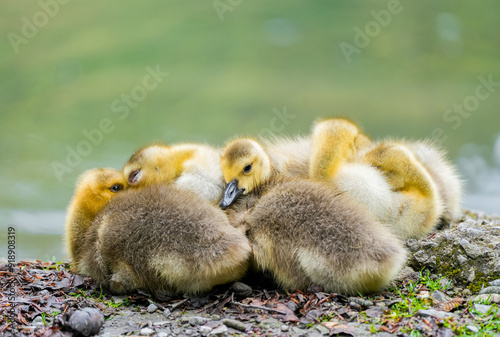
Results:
<point x="472" y="328"/>
<point x="285" y="328"/>
<point x="493" y="298"/>
<point x="434" y="313"/>
<point x="292" y="305"/>
<point x="481" y="308"/>
<point x="355" y="306"/>
<point x="466" y="253"/>
<point x="495" y="283"/>
<point x="195" y="321"/>
<point x="162" y="334"/>
<point x="38" y="321"/>
<point x="364" y="303"/>
<point x="408" y="274"/>
<point x="393" y="302"/>
<point x="241" y="289"/>
<point x="490" y="290"/>
<point x="118" y="299"/>
<point x="167" y="312"/>
<point x="152" y="308"/>
<point x="87" y="321"/>
<point x="322" y="329"/>
<point x="205" y="330"/>
<point x="444" y="332"/>
<point x="444" y="282"/>
<point x="235" y="324"/>
<point x="147" y="331"/>
<point x="375" y="312"/>
<point x="439" y="296"/>
<point x="219" y="331"/>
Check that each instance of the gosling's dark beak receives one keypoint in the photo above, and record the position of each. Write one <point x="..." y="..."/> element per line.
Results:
<point x="231" y="193"/>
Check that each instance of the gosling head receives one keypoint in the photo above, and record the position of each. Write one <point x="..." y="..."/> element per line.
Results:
<point x="97" y="186"/>
<point x="145" y="167"/>
<point x="245" y="166"/>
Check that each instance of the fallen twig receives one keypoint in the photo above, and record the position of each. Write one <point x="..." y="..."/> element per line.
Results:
<point x="178" y="304"/>
<point x="255" y="306"/>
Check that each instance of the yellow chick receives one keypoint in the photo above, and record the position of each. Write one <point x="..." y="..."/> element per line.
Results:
<point x="94" y="189"/>
<point x="190" y="167"/>
<point x="305" y="232"/>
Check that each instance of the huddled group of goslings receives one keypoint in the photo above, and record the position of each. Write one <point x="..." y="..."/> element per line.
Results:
<point x="330" y="209"/>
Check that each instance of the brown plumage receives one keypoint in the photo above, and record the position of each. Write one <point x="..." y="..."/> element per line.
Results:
<point x="164" y="240"/>
<point x="305" y="232"/>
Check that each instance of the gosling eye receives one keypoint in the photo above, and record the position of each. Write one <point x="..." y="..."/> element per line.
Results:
<point x="247" y="169"/>
<point x="116" y="188"/>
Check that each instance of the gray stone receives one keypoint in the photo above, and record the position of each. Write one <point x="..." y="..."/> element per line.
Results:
<point x="194" y="321"/>
<point x="152" y="308"/>
<point x="434" y="313"/>
<point x="37" y="321"/>
<point x="481" y="308"/>
<point x="285" y="328"/>
<point x="185" y="319"/>
<point x="205" y="330"/>
<point x="147" y="331"/>
<point x="364" y="303"/>
<point x="118" y="299"/>
<point x="322" y="329"/>
<point x="162" y="334"/>
<point x="461" y="252"/>
<point x="235" y="324"/>
<point x="495" y="283"/>
<point x="490" y="290"/>
<point x="493" y="298"/>
<point x="219" y="331"/>
<point x="439" y="296"/>
<point x="241" y="289"/>
<point x="472" y="328"/>
<point x="87" y="321"/>
<point x="167" y="312"/>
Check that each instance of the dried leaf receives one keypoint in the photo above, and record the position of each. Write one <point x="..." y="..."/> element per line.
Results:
<point x="345" y="329"/>
<point x="452" y="304"/>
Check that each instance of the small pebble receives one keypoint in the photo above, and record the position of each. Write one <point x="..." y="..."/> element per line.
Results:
<point x="147" y="331"/>
<point x="493" y="298"/>
<point x="466" y="292"/>
<point x="38" y="321"/>
<point x="152" y="308"/>
<point x="364" y="303"/>
<point x="205" y="330"/>
<point x="285" y="328"/>
<point x="472" y="328"/>
<point x="194" y="321"/>
<point x="355" y="306"/>
<point x="235" y="324"/>
<point x="87" y="321"/>
<point x="166" y="312"/>
<point x="495" y="283"/>
<point x="162" y="334"/>
<point x="220" y="331"/>
<point x="490" y="290"/>
<point x="481" y="308"/>
<point x="322" y="329"/>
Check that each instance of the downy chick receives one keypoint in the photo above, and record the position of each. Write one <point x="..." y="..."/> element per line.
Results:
<point x="94" y="189"/>
<point x="190" y="167"/>
<point x="305" y="232"/>
<point x="161" y="239"/>
<point x="385" y="177"/>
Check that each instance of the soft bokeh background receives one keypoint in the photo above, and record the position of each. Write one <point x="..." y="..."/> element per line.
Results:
<point x="232" y="73"/>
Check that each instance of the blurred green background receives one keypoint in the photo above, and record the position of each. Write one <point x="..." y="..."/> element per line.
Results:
<point x="234" y="66"/>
